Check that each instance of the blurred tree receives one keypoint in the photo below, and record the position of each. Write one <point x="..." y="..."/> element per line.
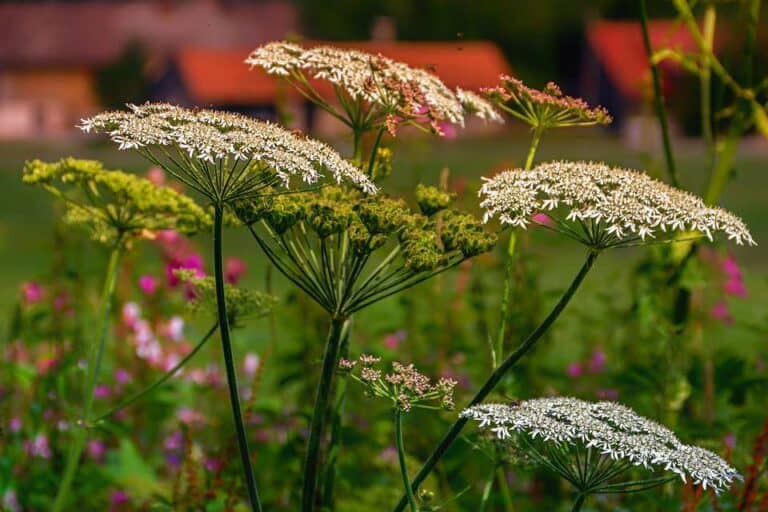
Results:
<point x="124" y="81"/>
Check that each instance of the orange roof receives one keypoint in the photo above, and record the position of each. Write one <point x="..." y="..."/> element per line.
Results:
<point x="214" y="76"/>
<point x="619" y="48"/>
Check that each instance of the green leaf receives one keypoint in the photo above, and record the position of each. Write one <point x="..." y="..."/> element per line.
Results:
<point x="129" y="471"/>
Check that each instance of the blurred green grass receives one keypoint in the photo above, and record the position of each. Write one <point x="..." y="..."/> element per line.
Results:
<point x="27" y="215"/>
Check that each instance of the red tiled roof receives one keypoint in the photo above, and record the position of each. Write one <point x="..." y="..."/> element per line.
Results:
<point x="619" y="47"/>
<point x="220" y="76"/>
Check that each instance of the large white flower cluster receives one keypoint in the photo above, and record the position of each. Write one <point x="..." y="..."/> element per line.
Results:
<point x="613" y="429"/>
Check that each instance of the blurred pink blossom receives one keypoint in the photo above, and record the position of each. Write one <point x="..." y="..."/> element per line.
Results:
<point x="189" y="416"/>
<point x="31" y="292"/>
<point x="542" y="219"/>
<point x="234" y="269"/>
<point x="174" y="329"/>
<point x="148" y="284"/>
<point x="729" y="440"/>
<point x="102" y="391"/>
<point x="14" y="425"/>
<point x="11" y="501"/>
<point x="156" y="175"/>
<point x="38" y="447"/>
<point x="214" y="465"/>
<point x="735" y="287"/>
<point x="122" y="376"/>
<point x="721" y="312"/>
<point x="731" y="267"/>
<point x="447" y="130"/>
<point x="393" y="340"/>
<point x="388" y="455"/>
<point x="608" y="394"/>
<point x="96" y="450"/>
<point x="118" y="498"/>
<point x="575" y="370"/>
<point x="597" y="361"/>
<point x="251" y="364"/>
<point x="192" y="262"/>
<point x="131" y="314"/>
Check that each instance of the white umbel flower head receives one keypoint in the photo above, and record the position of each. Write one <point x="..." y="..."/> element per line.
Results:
<point x="401" y="92"/>
<point x="604" y="206"/>
<point x="220" y="149"/>
<point x="613" y="429"/>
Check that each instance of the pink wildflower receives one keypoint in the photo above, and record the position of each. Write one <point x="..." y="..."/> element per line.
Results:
<point x="148" y="284"/>
<point x="597" y="361"/>
<point x="251" y="364"/>
<point x="156" y="175"/>
<point x="39" y="447"/>
<point x="575" y="370"/>
<point x="31" y="292"/>
<point x="608" y="394"/>
<point x="721" y="312"/>
<point x="96" y="450"/>
<point x="234" y="269"/>
<point x="542" y="219"/>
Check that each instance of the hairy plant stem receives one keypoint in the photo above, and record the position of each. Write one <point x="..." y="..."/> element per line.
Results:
<point x="498" y="354"/>
<point x="401" y="457"/>
<point x="658" y="98"/>
<point x="500" y="372"/>
<point x="91" y="379"/>
<point x="578" y="503"/>
<point x="319" y="416"/>
<point x="229" y="361"/>
<point x="162" y="380"/>
<point x="337" y="412"/>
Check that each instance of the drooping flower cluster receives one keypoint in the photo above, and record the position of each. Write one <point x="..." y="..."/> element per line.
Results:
<point x="115" y="205"/>
<point x="404" y="386"/>
<point x="325" y="241"/>
<point x="393" y="91"/>
<point x="548" y="108"/>
<point x="615" y="430"/>
<point x="241" y="302"/>
<point x="223" y="155"/>
<point x="606" y="207"/>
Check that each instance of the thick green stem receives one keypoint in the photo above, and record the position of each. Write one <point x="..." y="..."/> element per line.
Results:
<point x="658" y="98"/>
<point x="500" y="372"/>
<point x="534" y="144"/>
<point x="229" y="361"/>
<point x="91" y="380"/>
<point x="401" y="457"/>
<point x="319" y="416"/>
<point x="162" y="380"/>
<point x="336" y="426"/>
<point x="578" y="503"/>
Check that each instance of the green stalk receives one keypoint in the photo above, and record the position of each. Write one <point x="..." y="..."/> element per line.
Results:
<point x="92" y="378"/>
<point x="312" y="462"/>
<point x="578" y="503"/>
<point x="658" y="98"/>
<point x="338" y="411"/>
<point x="401" y="457"/>
<point x="229" y="362"/>
<point x="705" y="78"/>
<point x="486" y="491"/>
<point x="500" y="372"/>
<point x="506" y="496"/>
<point x="170" y="373"/>
<point x="374" y="150"/>
<point x="534" y="144"/>
<point x="498" y="354"/>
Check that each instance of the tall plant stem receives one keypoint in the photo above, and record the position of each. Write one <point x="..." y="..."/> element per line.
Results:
<point x="506" y="497"/>
<point x="534" y="145"/>
<point x="91" y="380"/>
<point x="705" y="79"/>
<point x="162" y="380"/>
<point x="337" y="412"/>
<point x="578" y="503"/>
<point x="498" y="354"/>
<point x="319" y="416"/>
<point x="401" y="457"/>
<point x="229" y="360"/>
<point x="500" y="372"/>
<point x="658" y="98"/>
